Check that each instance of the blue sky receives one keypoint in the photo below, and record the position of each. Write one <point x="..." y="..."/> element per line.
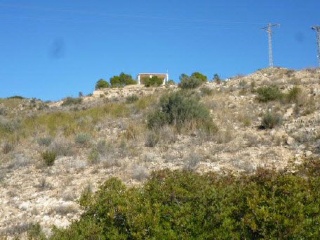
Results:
<point x="54" y="49"/>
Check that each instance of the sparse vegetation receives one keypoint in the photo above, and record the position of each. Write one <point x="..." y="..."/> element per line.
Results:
<point x="132" y="98"/>
<point x="130" y="132"/>
<point x="71" y="101"/>
<point x="82" y="139"/>
<point x="49" y="157"/>
<point x="44" y="141"/>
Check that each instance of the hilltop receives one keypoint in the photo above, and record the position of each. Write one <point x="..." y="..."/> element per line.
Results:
<point x="93" y="138"/>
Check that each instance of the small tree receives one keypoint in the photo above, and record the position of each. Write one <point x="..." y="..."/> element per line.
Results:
<point x="179" y="109"/>
<point x="102" y="84"/>
<point x="200" y="76"/>
<point x="122" y="80"/>
<point x="216" y="78"/>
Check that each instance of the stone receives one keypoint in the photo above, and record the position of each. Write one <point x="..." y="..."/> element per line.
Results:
<point x="290" y="141"/>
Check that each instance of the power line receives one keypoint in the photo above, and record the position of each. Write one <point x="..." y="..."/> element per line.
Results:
<point x="269" y="31"/>
<point x="317" y="29"/>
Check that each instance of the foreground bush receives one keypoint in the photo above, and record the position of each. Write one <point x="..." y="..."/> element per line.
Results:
<point x="186" y="205"/>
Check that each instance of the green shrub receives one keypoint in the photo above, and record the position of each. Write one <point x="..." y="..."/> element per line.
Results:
<point x="16" y="97"/>
<point x="82" y="139"/>
<point x="216" y="78"/>
<point x="7" y="147"/>
<point x="49" y="157"/>
<point x="8" y="126"/>
<point x="152" y="138"/>
<point x="132" y="98"/>
<point x="269" y="93"/>
<point x="154" y="81"/>
<point x="187" y="82"/>
<point x="206" y="91"/>
<point x="179" y="109"/>
<point x="93" y="156"/>
<point x="171" y="82"/>
<point x="71" y="101"/>
<point x="270" y="120"/>
<point x="44" y="141"/>
<point x="293" y="95"/>
<point x="102" y="84"/>
<point x="122" y="80"/>
<point x="187" y="205"/>
<point x="203" y="78"/>
<point x="35" y="232"/>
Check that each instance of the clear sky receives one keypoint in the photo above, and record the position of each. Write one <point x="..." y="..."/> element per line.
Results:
<point x="57" y="48"/>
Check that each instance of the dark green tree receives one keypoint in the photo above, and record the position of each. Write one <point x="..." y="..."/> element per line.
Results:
<point x="216" y="78"/>
<point x="102" y="84"/>
<point x="122" y="80"/>
<point x="200" y="76"/>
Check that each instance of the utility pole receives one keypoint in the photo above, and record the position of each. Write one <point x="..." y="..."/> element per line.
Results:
<point x="317" y="29"/>
<point x="269" y="31"/>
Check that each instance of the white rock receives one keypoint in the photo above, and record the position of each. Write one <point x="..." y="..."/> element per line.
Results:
<point x="308" y="153"/>
<point x="290" y="141"/>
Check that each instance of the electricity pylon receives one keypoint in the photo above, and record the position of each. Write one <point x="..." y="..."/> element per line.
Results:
<point x="317" y="29"/>
<point x="269" y="31"/>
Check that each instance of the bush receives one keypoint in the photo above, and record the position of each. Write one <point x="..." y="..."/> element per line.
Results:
<point x="171" y="82"/>
<point x="270" y="120"/>
<point x="71" y="101"/>
<point x="293" y="95"/>
<point x="154" y="81"/>
<point x="82" y="139"/>
<point x="177" y="109"/>
<point x="152" y="138"/>
<point x="102" y="84"/>
<point x="7" y="147"/>
<point x="132" y="98"/>
<point x="206" y="91"/>
<point x="200" y="76"/>
<point x="187" y="82"/>
<point x="270" y="93"/>
<point x="49" y="157"/>
<point x="44" y="141"/>
<point x="216" y="78"/>
<point x="122" y="80"/>
<point x="187" y="205"/>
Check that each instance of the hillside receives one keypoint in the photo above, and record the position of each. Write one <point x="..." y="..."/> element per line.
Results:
<point x="106" y="134"/>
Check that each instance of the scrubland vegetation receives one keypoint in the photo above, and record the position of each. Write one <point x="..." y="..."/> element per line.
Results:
<point x="217" y="160"/>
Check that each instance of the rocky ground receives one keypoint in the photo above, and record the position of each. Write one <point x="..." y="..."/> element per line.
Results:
<point x="122" y="146"/>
